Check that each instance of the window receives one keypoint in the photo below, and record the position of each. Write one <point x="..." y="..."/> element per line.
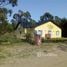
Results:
<point x="49" y="31"/>
<point x="39" y="32"/>
<point x="57" y="33"/>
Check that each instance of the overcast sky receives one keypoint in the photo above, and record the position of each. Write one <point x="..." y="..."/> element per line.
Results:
<point x="39" y="7"/>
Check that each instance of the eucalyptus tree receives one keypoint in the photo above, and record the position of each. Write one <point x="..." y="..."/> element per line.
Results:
<point x="6" y="2"/>
<point x="23" y="18"/>
<point x="4" y="12"/>
<point x="46" y="16"/>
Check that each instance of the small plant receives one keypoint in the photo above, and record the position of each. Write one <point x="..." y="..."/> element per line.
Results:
<point x="28" y="36"/>
<point x="9" y="39"/>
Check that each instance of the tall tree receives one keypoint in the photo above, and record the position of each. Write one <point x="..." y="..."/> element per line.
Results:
<point x="46" y="16"/>
<point x="6" y="2"/>
<point x="64" y="27"/>
<point x="3" y="19"/>
<point x="23" y="18"/>
<point x="57" y="20"/>
<point x="4" y="12"/>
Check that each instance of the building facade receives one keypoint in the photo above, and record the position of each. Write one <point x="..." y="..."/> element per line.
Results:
<point x="49" y="30"/>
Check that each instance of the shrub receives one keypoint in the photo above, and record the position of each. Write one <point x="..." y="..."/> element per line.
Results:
<point x="28" y="36"/>
<point x="9" y="38"/>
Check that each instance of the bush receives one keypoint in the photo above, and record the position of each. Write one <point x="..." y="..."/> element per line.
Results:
<point x="9" y="38"/>
<point x="28" y="36"/>
<point x="55" y="40"/>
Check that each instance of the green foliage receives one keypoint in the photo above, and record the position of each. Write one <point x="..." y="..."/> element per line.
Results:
<point x="6" y="2"/>
<point x="3" y="14"/>
<point x="9" y="39"/>
<point x="33" y="22"/>
<point x="55" y="40"/>
<point x="63" y="21"/>
<point x="28" y="36"/>
<point x="5" y="27"/>
<point x="23" y="18"/>
<point x="46" y="16"/>
<point x="64" y="27"/>
<point x="57" y="20"/>
<point x="9" y="27"/>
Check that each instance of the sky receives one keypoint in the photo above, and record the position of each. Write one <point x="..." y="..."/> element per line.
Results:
<point x="39" y="7"/>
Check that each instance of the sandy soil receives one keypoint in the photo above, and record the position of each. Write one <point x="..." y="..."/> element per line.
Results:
<point x="55" y="58"/>
<point x="59" y="59"/>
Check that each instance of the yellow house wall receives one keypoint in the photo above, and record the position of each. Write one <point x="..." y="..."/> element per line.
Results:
<point x="49" y="26"/>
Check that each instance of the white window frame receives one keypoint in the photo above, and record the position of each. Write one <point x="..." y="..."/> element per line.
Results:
<point x="40" y="31"/>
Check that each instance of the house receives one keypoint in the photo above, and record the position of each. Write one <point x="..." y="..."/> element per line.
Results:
<point x="49" y="29"/>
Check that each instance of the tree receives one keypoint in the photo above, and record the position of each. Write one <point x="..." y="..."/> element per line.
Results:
<point x="63" y="21"/>
<point x="9" y="27"/>
<point x="5" y="27"/>
<point x="46" y="16"/>
<point x="6" y="2"/>
<point x="13" y="23"/>
<point x="57" y="20"/>
<point x="3" y="13"/>
<point x="64" y="27"/>
<point x="23" y="18"/>
<point x="33" y="22"/>
<point x="3" y="19"/>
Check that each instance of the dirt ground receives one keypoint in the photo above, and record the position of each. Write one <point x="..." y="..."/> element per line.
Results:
<point x="55" y="57"/>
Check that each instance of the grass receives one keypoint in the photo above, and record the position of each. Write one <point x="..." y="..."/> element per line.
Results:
<point x="10" y="46"/>
<point x="24" y="50"/>
<point x="9" y="39"/>
<point x="55" y="40"/>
